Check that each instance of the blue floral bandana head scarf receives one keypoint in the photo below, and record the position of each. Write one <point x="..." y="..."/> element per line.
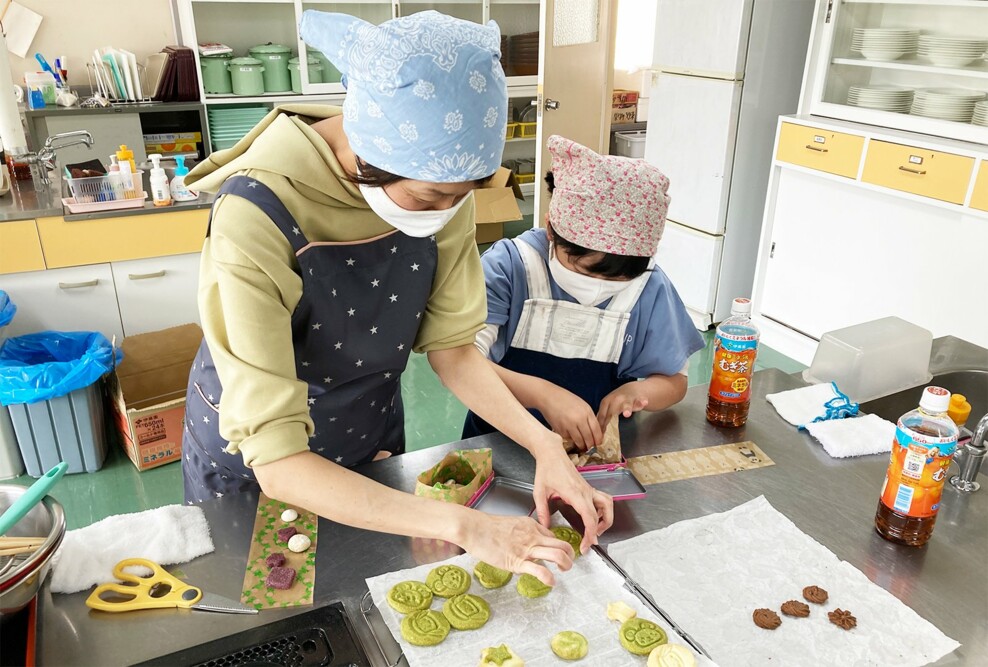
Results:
<point x="426" y="96"/>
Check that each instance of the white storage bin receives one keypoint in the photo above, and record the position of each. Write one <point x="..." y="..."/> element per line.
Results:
<point x="630" y="144"/>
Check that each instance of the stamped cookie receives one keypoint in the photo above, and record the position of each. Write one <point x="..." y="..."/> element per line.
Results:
<point x="466" y="612"/>
<point x="640" y="636"/>
<point x="448" y="580"/>
<point x="424" y="628"/>
<point x="567" y="534"/>
<point x="409" y="596"/>
<point x="490" y="576"/>
<point x="531" y="587"/>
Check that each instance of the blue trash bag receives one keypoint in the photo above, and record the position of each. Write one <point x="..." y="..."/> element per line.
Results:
<point x="7" y="309"/>
<point x="48" y="364"/>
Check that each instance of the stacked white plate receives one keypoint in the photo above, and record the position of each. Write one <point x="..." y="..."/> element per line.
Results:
<point x="887" y="98"/>
<point x="955" y="104"/>
<point x="884" y="43"/>
<point x="949" y="51"/>
<point x="980" y="115"/>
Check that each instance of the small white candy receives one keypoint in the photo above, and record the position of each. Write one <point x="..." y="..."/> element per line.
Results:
<point x="299" y="543"/>
<point x="289" y="515"/>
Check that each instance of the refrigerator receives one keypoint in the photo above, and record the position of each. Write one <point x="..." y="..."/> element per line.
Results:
<point x="723" y="72"/>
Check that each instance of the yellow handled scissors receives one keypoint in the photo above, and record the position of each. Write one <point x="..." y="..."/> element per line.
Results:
<point x="160" y="590"/>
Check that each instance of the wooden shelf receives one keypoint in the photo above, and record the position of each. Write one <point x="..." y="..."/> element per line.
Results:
<point x="913" y="65"/>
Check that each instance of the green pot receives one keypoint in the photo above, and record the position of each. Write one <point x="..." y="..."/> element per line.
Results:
<point x="215" y="75"/>
<point x="247" y="75"/>
<point x="315" y="72"/>
<point x="329" y="73"/>
<point x="275" y="58"/>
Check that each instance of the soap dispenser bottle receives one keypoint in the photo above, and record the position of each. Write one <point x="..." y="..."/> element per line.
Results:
<point x="160" y="192"/>
<point x="179" y="191"/>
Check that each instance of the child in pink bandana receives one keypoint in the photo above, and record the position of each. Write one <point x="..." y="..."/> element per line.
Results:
<point x="581" y="323"/>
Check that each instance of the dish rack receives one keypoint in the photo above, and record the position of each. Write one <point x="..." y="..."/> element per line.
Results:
<point x="107" y="192"/>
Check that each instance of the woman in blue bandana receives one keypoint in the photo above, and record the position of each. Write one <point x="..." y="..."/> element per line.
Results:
<point x="340" y="241"/>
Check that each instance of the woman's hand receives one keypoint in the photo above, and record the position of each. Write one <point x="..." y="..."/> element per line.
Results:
<point x="557" y="477"/>
<point x="625" y="401"/>
<point x="570" y="416"/>
<point x="516" y="544"/>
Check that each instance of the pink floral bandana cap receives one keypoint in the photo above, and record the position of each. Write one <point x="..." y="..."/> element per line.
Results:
<point x="604" y="202"/>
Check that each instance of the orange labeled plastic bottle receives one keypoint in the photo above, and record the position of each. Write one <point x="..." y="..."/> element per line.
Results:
<point x="924" y="444"/>
<point x="734" y="362"/>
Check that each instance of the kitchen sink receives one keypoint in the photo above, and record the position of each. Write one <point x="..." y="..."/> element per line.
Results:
<point x="972" y="383"/>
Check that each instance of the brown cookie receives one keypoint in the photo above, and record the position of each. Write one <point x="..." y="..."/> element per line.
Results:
<point x="766" y="618"/>
<point x="796" y="608"/>
<point x="815" y="594"/>
<point x="842" y="619"/>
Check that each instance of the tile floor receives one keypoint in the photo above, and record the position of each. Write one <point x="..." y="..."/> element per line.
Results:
<point x="432" y="416"/>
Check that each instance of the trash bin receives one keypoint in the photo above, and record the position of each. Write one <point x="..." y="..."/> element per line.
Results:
<point x="11" y="464"/>
<point x="50" y="384"/>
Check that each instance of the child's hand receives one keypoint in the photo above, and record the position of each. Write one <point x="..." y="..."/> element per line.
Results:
<point x="571" y="417"/>
<point x="625" y="400"/>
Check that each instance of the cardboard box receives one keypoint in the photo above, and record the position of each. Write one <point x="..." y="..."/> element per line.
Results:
<point x="496" y="204"/>
<point x="621" y="97"/>
<point x="148" y="393"/>
<point x="626" y="113"/>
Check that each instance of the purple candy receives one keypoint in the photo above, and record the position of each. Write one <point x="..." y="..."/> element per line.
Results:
<point x="285" y="534"/>
<point x="281" y="578"/>
<point x="275" y="560"/>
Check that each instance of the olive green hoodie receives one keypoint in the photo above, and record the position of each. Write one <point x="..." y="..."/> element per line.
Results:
<point x="249" y="281"/>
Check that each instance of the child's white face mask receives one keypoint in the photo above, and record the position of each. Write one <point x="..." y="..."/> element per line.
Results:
<point x="587" y="290"/>
<point x="414" y="223"/>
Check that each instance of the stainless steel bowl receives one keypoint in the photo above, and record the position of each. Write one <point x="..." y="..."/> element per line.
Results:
<point x="21" y="576"/>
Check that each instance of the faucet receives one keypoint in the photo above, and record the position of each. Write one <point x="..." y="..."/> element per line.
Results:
<point x="46" y="157"/>
<point x="969" y="459"/>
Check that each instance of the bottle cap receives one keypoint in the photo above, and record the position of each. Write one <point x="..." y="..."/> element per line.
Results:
<point x="741" y="306"/>
<point x="959" y="409"/>
<point x="935" y="400"/>
<point x="180" y="168"/>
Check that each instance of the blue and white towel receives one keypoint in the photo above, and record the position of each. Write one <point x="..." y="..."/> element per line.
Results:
<point x="816" y="403"/>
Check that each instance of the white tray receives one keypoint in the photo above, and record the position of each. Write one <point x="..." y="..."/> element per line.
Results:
<point x="74" y="207"/>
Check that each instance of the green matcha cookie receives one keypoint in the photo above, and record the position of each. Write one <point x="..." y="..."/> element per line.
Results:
<point x="490" y="576"/>
<point x="500" y="656"/>
<point x="466" y="612"/>
<point x="640" y="636"/>
<point x="409" y="596"/>
<point x="448" y="580"/>
<point x="569" y="645"/>
<point x="531" y="587"/>
<point x="424" y="627"/>
<point x="567" y="534"/>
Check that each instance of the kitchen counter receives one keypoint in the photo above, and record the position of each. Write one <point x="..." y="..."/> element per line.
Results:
<point x="831" y="500"/>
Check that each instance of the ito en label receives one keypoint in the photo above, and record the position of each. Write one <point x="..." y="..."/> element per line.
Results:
<point x="917" y="469"/>
<point x="734" y="362"/>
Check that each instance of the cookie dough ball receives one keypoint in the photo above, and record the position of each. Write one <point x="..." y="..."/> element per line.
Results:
<point x="499" y="656"/>
<point x="490" y="576"/>
<point x="766" y="619"/>
<point x="619" y="611"/>
<point x="640" y="636"/>
<point x="569" y="645"/>
<point x="671" y="655"/>
<point x="567" y="534"/>
<point x="409" y="596"/>
<point x="530" y="587"/>
<point x="424" y="628"/>
<point x="289" y="515"/>
<point x="299" y="543"/>
<point x="466" y="612"/>
<point x="448" y="580"/>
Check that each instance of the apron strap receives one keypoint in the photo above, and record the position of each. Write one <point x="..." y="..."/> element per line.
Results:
<point x="536" y="274"/>
<point x="265" y="199"/>
<point x="626" y="299"/>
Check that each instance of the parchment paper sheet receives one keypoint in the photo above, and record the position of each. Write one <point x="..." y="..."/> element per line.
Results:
<point x="711" y="573"/>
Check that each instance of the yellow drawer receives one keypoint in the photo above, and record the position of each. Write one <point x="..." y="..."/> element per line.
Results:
<point x="979" y="199"/>
<point x="933" y="174"/>
<point x="20" y="247"/>
<point x="832" y="152"/>
<point x="115" y="239"/>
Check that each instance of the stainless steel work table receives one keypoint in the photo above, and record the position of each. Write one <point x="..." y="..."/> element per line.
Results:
<point x="833" y="501"/>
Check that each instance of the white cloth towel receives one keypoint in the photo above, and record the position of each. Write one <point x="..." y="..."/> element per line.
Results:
<point x="868" y="434"/>
<point x="167" y="535"/>
<point x="815" y="403"/>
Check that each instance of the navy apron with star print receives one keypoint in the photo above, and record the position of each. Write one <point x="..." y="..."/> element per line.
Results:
<point x="352" y="332"/>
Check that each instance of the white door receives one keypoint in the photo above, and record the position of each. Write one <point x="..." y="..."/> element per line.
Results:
<point x="702" y="37"/>
<point x="691" y="259"/>
<point x="157" y="293"/>
<point x="78" y="298"/>
<point x="692" y="126"/>
<point x="576" y="72"/>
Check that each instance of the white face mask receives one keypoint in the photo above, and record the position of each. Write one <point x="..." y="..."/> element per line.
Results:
<point x="587" y="290"/>
<point x="414" y="223"/>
